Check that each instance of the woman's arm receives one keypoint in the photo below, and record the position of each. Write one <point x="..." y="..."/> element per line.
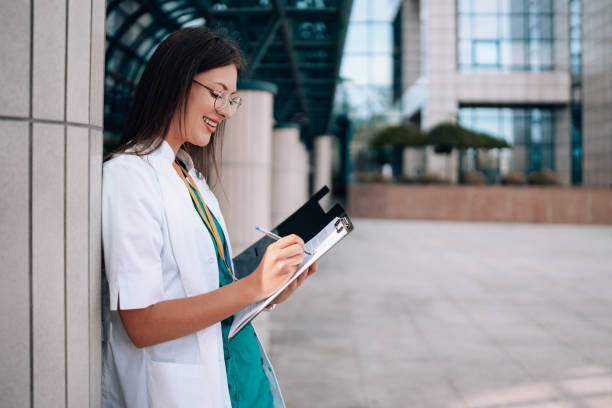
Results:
<point x="171" y="319"/>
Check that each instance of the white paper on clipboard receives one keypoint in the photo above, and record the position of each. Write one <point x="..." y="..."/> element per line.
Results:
<point x="329" y="236"/>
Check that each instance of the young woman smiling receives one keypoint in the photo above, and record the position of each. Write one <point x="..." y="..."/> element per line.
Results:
<point x="167" y="253"/>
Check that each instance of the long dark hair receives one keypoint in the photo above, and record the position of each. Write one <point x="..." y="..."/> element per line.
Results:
<point x="164" y="88"/>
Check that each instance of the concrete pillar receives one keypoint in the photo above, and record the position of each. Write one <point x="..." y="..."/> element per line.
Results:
<point x="245" y="189"/>
<point x="322" y="164"/>
<point x="289" y="172"/>
<point x="51" y="117"/>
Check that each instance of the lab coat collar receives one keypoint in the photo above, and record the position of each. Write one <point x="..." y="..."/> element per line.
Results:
<point x="165" y="152"/>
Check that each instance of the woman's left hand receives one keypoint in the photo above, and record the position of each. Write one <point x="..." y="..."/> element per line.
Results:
<point x="285" y="294"/>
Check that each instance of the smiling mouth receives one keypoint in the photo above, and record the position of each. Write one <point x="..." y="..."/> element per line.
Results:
<point x="210" y="122"/>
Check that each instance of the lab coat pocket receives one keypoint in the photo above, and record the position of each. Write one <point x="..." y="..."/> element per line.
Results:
<point x="174" y="385"/>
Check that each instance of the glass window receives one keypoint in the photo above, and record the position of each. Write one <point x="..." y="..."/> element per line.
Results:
<point x="545" y="56"/>
<point x="544" y="6"/>
<point x="485" y="52"/>
<point x="513" y="54"/>
<point x="545" y="27"/>
<point x="464" y="6"/>
<point x="355" y="68"/>
<point x="485" y="27"/>
<point x="380" y="70"/>
<point x="522" y="29"/>
<point x="530" y="131"/>
<point x="484" y="6"/>
<point x="359" y="11"/>
<point x="381" y="39"/>
<point x="382" y="10"/>
<point x="465" y="52"/>
<point x="465" y="26"/>
<point x="357" y="38"/>
<point x="511" y="6"/>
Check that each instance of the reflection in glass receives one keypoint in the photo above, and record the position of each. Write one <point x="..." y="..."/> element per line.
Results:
<point x="357" y="38"/>
<point x="522" y="29"/>
<point x="530" y="131"/>
<point x="380" y="70"/>
<point x="485" y="52"/>
<point x="355" y="68"/>
<point x="380" y="37"/>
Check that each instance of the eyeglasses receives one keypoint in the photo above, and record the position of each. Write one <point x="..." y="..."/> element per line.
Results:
<point x="222" y="99"/>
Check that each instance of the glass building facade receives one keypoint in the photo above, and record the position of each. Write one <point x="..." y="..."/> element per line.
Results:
<point x="505" y="35"/>
<point x="529" y="130"/>
<point x="367" y="63"/>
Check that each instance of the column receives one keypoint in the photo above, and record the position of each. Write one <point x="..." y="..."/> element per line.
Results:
<point x="289" y="172"/>
<point x="245" y="188"/>
<point x="51" y="117"/>
<point x="322" y="165"/>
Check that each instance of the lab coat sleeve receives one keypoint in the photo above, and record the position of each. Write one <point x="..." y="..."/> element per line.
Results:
<point x="132" y="233"/>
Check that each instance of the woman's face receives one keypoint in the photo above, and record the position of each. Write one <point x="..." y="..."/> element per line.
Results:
<point x="201" y="117"/>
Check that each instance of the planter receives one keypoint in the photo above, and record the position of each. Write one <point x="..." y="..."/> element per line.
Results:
<point x="564" y="205"/>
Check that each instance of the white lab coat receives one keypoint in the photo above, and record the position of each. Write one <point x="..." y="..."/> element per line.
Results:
<point x="157" y="248"/>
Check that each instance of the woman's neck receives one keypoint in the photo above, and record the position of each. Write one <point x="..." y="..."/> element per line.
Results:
<point x="174" y="141"/>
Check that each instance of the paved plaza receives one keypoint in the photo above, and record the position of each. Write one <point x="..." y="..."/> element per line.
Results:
<point x="435" y="314"/>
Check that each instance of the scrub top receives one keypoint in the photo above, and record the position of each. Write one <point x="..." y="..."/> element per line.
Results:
<point x="247" y="382"/>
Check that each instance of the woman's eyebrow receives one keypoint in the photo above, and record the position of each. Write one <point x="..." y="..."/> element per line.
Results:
<point x="224" y="86"/>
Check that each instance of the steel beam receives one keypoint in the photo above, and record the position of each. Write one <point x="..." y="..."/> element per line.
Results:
<point x="290" y="49"/>
<point x="263" y="45"/>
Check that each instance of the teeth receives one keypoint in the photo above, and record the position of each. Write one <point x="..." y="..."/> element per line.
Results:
<point x="210" y="122"/>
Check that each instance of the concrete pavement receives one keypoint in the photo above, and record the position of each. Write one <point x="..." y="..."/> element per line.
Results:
<point x="435" y="314"/>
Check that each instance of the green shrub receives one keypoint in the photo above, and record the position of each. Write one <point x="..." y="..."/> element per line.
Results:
<point x="398" y="137"/>
<point x="474" y="178"/>
<point x="514" y="178"/>
<point x="544" y="177"/>
<point x="446" y="136"/>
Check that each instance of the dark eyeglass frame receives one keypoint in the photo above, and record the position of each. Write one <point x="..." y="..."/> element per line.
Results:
<point x="222" y="98"/>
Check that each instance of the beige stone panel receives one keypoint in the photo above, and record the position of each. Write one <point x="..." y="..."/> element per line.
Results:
<point x="515" y="87"/>
<point x="95" y="267"/>
<point x="15" y="265"/>
<point x="96" y="90"/>
<point x="289" y="180"/>
<point x="323" y="166"/>
<point x="245" y="193"/>
<point x="49" y="57"/>
<point x="245" y="201"/>
<point x="77" y="80"/>
<point x="48" y="319"/>
<point x="77" y="265"/>
<point x="562" y="145"/>
<point x="15" y="40"/>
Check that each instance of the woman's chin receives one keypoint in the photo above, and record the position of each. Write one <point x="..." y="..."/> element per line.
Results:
<point x="202" y="140"/>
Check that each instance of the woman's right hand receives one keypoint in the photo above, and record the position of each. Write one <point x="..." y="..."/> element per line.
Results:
<point x="279" y="263"/>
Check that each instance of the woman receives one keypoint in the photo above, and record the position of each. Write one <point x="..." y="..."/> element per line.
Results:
<point x="167" y="254"/>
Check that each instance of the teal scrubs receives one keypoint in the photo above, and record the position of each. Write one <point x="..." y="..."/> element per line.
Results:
<point x="247" y="382"/>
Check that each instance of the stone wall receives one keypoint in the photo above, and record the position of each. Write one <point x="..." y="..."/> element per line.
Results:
<point x="496" y="203"/>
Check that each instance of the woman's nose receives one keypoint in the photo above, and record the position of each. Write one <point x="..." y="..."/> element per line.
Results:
<point x="226" y="111"/>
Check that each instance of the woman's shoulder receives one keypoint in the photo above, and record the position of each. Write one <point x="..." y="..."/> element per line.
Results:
<point x="126" y="171"/>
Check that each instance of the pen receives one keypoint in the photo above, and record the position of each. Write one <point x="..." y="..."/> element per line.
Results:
<point x="274" y="236"/>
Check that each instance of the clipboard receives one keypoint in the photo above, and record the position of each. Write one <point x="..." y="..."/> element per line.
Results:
<point x="320" y="231"/>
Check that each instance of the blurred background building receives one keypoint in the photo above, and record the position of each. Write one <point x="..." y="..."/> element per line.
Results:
<point x="536" y="73"/>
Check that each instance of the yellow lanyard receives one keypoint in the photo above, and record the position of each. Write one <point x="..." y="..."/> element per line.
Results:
<point x="205" y="214"/>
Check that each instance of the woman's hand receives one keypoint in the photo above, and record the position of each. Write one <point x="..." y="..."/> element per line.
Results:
<point x="285" y="294"/>
<point x="279" y="263"/>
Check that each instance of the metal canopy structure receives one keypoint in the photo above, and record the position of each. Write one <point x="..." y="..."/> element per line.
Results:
<point x="295" y="44"/>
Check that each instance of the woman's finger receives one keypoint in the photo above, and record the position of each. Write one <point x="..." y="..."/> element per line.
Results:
<point x="287" y="241"/>
<point x="290" y="251"/>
